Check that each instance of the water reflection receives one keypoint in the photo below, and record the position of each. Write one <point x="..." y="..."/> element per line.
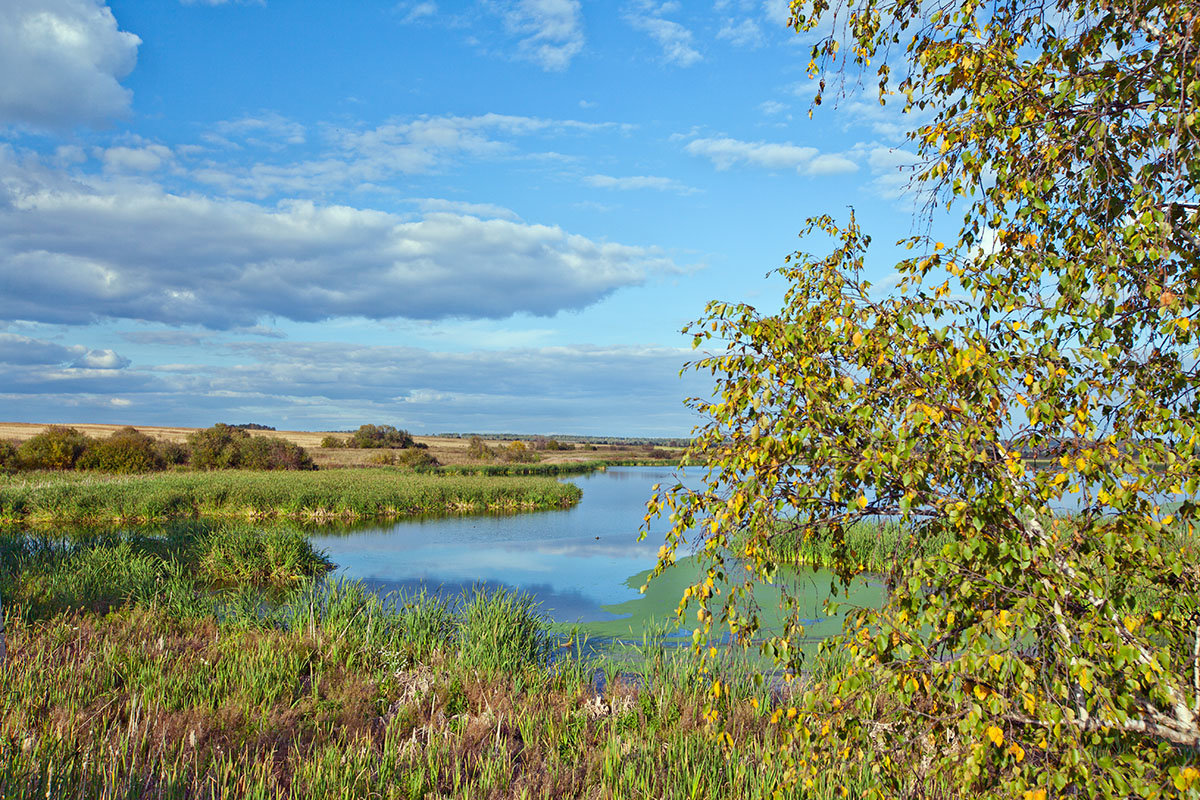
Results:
<point x="575" y="561"/>
<point x="584" y="565"/>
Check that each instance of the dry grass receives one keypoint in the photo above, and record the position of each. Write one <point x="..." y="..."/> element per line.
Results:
<point x="447" y="450"/>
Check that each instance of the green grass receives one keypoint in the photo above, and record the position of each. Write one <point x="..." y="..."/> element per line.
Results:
<point x="42" y="498"/>
<point x="348" y="699"/>
<point x="212" y="660"/>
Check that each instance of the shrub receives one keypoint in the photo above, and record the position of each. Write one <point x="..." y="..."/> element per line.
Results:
<point x="333" y="442"/>
<point x="57" y="447"/>
<point x="479" y="451"/>
<point x="261" y="452"/>
<point x="126" y="451"/>
<point x="217" y="447"/>
<point x="542" y="443"/>
<point x="518" y="453"/>
<point x="416" y="457"/>
<point x="374" y="436"/>
<point x="9" y="460"/>
<point x="173" y="453"/>
<point x="226" y="447"/>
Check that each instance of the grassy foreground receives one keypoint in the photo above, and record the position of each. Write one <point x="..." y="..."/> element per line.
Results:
<point x="193" y="671"/>
<point x="52" y="497"/>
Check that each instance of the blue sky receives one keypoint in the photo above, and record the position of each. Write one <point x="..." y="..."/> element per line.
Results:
<point x="490" y="216"/>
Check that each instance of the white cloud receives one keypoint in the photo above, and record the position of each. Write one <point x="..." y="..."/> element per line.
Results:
<point x="771" y="107"/>
<point x="26" y="351"/>
<point x="268" y="129"/>
<point x="145" y="158"/>
<point x="358" y="158"/>
<point x="830" y="164"/>
<point x="632" y="182"/>
<point x="742" y="33"/>
<point x="62" y="62"/>
<point x="222" y="263"/>
<point x="892" y="168"/>
<point x="551" y="31"/>
<point x="322" y="385"/>
<point x="776" y="11"/>
<point x="726" y="153"/>
<point x="222" y="2"/>
<point x="420" y="11"/>
<point x="481" y="210"/>
<point x="674" y="39"/>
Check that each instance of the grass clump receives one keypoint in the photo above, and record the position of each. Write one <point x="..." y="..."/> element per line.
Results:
<point x="47" y="498"/>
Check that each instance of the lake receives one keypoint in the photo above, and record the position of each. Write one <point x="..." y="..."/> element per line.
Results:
<point x="584" y="565"/>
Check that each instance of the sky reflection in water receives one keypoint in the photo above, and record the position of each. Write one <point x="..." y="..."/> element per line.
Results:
<point x="574" y="562"/>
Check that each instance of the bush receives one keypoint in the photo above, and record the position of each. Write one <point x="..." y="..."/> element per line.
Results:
<point x="479" y="451"/>
<point x="173" y="453"/>
<point x="9" y="460"/>
<point x="518" y="453"/>
<point x="334" y="442"/>
<point x="376" y="436"/>
<point x="226" y="447"/>
<point x="126" y="451"/>
<point x="218" y="447"/>
<point x="57" y="447"/>
<point x="261" y="452"/>
<point x="542" y="443"/>
<point x="412" y="457"/>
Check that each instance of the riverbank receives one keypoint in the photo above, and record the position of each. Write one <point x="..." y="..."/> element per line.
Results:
<point x="65" y="497"/>
<point x="150" y="667"/>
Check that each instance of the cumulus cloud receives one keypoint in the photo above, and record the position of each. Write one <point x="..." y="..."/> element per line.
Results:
<point x="633" y="182"/>
<point x="550" y="31"/>
<point x="674" y="39"/>
<point x="34" y="366"/>
<point x="141" y="158"/>
<point x="62" y="62"/>
<point x="78" y="251"/>
<point x="725" y="153"/>
<point x="25" y="351"/>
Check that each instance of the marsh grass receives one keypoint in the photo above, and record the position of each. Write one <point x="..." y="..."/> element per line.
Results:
<point x="874" y="546"/>
<point x="190" y="663"/>
<point x="142" y="703"/>
<point x="181" y="567"/>
<point x="49" y="498"/>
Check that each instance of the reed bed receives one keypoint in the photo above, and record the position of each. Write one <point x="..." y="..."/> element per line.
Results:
<point x="332" y="494"/>
<point x="195" y="662"/>
<point x="339" y="693"/>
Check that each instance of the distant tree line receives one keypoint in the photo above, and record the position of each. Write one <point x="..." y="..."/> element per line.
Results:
<point x="128" y="450"/>
<point x="655" y="441"/>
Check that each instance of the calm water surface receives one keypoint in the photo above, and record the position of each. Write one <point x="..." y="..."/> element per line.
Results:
<point x="584" y="565"/>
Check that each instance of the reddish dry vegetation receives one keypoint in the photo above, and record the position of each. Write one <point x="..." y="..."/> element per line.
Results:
<point x="139" y="702"/>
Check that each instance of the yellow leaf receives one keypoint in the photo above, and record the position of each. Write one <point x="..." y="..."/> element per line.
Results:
<point x="1016" y="752"/>
<point x="996" y="735"/>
